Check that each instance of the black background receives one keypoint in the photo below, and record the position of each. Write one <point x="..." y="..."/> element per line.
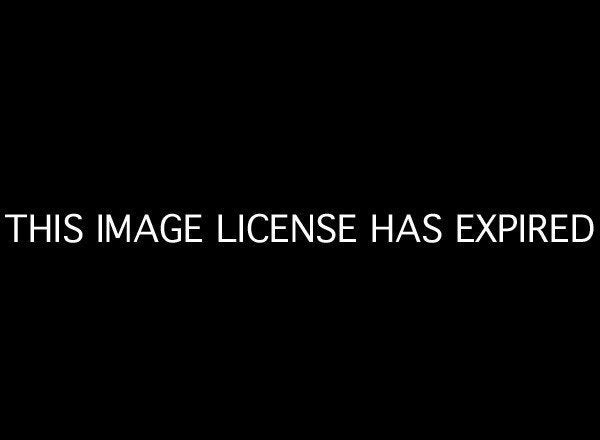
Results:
<point x="386" y="112"/>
